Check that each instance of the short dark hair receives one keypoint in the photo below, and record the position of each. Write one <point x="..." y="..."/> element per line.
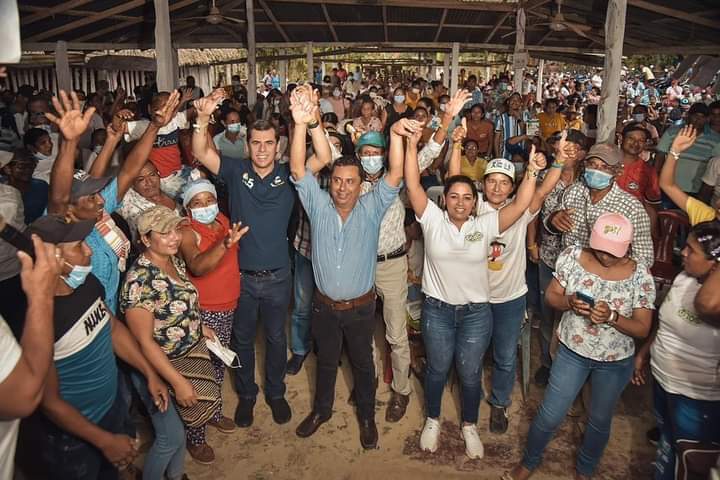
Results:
<point x="261" y="126"/>
<point x="552" y="100"/>
<point x="330" y="117"/>
<point x="635" y="127"/>
<point x="348" y="161"/>
<point x="472" y="77"/>
<point x="699" y="107"/>
<point x="32" y="136"/>
<point x="460" y="179"/>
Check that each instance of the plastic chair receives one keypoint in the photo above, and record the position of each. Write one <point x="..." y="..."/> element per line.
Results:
<point x="673" y="224"/>
<point x="435" y="194"/>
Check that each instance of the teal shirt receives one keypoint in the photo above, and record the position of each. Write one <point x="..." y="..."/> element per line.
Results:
<point x="236" y="150"/>
<point x="693" y="161"/>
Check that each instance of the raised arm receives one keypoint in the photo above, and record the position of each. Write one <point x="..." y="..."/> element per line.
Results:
<point x="454" y="165"/>
<point x="141" y="151"/>
<point x="416" y="194"/>
<point x="303" y="105"/>
<point x="114" y="135"/>
<point x="452" y="108"/>
<point x="684" y="140"/>
<point x="72" y="123"/>
<point x="510" y="214"/>
<point x="201" y="263"/>
<point x="566" y="151"/>
<point x="201" y="148"/>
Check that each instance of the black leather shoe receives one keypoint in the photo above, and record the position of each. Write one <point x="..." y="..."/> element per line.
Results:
<point x="368" y="434"/>
<point x="295" y="364"/>
<point x="310" y="425"/>
<point x="396" y="407"/>
<point x="244" y="412"/>
<point x="281" y="412"/>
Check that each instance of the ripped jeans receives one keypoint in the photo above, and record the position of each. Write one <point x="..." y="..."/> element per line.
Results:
<point x="462" y="333"/>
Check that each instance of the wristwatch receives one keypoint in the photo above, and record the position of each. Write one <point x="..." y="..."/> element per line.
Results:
<point x="614" y="316"/>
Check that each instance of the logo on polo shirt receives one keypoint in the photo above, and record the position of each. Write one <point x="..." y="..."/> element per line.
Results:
<point x="249" y="182"/>
<point x="277" y="181"/>
<point x="474" y="237"/>
<point x="633" y="186"/>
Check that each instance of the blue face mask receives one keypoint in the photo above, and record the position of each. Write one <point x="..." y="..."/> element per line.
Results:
<point x="77" y="275"/>
<point x="597" y="179"/>
<point x="372" y="163"/>
<point x="399" y="98"/>
<point x="205" y="215"/>
<point x="234" y="127"/>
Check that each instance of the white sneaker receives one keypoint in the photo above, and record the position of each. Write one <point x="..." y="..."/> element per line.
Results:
<point x="429" y="436"/>
<point x="473" y="445"/>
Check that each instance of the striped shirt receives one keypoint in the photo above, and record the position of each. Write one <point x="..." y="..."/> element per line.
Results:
<point x="510" y="127"/>
<point x="693" y="161"/>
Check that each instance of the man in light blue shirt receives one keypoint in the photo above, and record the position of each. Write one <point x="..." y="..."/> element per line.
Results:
<point x="344" y="229"/>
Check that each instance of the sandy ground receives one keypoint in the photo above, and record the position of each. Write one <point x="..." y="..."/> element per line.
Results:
<point x="269" y="451"/>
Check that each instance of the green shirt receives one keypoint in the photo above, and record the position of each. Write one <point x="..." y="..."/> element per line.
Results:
<point x="694" y="160"/>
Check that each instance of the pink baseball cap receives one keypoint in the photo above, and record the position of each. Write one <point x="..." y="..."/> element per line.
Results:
<point x="612" y="233"/>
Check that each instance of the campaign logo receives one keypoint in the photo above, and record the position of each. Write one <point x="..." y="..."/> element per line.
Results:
<point x="277" y="181"/>
<point x="249" y="182"/>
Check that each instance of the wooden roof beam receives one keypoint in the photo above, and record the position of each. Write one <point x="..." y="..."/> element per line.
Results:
<point x="73" y="13"/>
<point x="385" y="22"/>
<point x="452" y="4"/>
<point x="440" y="25"/>
<point x="671" y="12"/>
<point x="48" y="12"/>
<point x="272" y="18"/>
<point x="329" y="22"/>
<point x="496" y="27"/>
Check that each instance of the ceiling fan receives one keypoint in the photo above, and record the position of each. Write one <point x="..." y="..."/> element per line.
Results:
<point x="214" y="17"/>
<point x="557" y="22"/>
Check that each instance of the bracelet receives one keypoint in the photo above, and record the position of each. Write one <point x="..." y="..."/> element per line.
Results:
<point x="457" y="146"/>
<point x="313" y="125"/>
<point x="533" y="247"/>
<point x="532" y="173"/>
<point x="674" y="154"/>
<point x="557" y="164"/>
<point x="614" y="317"/>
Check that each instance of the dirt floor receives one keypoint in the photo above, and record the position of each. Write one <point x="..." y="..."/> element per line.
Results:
<point x="269" y="451"/>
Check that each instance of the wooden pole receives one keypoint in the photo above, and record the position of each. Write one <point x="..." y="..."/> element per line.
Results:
<point x="251" y="65"/>
<point x="541" y="67"/>
<point x="163" y="47"/>
<point x="309" y="59"/>
<point x="283" y="73"/>
<point x="454" y="75"/>
<point x="446" y="70"/>
<point x="62" y="67"/>
<point x="614" y="37"/>
<point x="519" y="50"/>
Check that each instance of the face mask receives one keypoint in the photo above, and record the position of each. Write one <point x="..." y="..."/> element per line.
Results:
<point x="276" y="101"/>
<point x="45" y="127"/>
<point x="337" y="93"/>
<point x="399" y="98"/>
<point x="41" y="157"/>
<point x="234" y="127"/>
<point x="77" y="275"/>
<point x="443" y="107"/>
<point x="227" y="356"/>
<point x="205" y="215"/>
<point x="372" y="163"/>
<point x="638" y="117"/>
<point x="597" y="179"/>
<point x="97" y="149"/>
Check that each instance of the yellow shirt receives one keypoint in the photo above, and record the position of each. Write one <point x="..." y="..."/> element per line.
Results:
<point x="550" y="124"/>
<point x="699" y="212"/>
<point x="476" y="171"/>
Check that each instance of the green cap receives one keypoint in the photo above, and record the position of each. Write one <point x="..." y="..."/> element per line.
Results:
<point x="372" y="138"/>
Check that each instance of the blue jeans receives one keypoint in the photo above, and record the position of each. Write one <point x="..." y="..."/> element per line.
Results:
<point x="303" y="288"/>
<point x="532" y="278"/>
<point x="167" y="454"/>
<point x="547" y="322"/>
<point x="462" y="333"/>
<point x="65" y="456"/>
<point x="267" y="296"/>
<point x="681" y="418"/>
<point x="507" y="319"/>
<point x="567" y="376"/>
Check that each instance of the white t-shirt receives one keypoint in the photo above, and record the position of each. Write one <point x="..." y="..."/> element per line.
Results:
<point x="9" y="355"/>
<point x="507" y="258"/>
<point x="136" y="128"/>
<point x="43" y="167"/>
<point x="455" y="267"/>
<point x="712" y="178"/>
<point x="685" y="357"/>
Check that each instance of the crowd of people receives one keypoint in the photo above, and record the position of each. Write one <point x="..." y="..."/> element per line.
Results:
<point x="167" y="226"/>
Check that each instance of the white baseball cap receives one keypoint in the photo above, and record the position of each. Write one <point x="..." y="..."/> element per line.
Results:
<point x="501" y="165"/>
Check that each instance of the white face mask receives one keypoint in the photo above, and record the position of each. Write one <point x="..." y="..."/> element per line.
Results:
<point x="337" y="93"/>
<point x="227" y="356"/>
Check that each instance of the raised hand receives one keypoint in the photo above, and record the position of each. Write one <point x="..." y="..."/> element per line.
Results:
<point x="537" y="160"/>
<point x="187" y="94"/>
<point x="71" y="121"/>
<point x="235" y="233"/>
<point x="119" y="120"/>
<point x="460" y="132"/>
<point x="457" y="102"/>
<point x="166" y="113"/>
<point x="206" y="106"/>
<point x="406" y="127"/>
<point x="684" y="139"/>
<point x="303" y="105"/>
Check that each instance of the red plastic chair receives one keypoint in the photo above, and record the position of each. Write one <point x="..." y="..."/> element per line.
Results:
<point x="671" y="224"/>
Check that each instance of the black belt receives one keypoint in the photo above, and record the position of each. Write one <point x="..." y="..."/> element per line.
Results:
<point x="259" y="273"/>
<point x="396" y="254"/>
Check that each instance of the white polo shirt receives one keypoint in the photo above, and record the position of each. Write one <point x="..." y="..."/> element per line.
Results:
<point x="455" y="267"/>
<point x="507" y="259"/>
<point x="9" y="355"/>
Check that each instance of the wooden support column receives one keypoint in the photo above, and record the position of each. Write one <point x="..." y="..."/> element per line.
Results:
<point x="309" y="59"/>
<point x="251" y="64"/>
<point x="283" y="72"/>
<point x="228" y="74"/>
<point x="84" y="80"/>
<point x="446" y="70"/>
<point x="62" y="67"/>
<point x="539" y="95"/>
<point x="166" y="76"/>
<point x="614" y="37"/>
<point x="454" y="75"/>
<point x="520" y="54"/>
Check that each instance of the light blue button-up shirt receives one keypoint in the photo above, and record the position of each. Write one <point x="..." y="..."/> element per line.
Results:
<point x="344" y="255"/>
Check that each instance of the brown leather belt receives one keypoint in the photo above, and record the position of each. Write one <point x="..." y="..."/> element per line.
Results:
<point x="394" y="254"/>
<point x="343" y="305"/>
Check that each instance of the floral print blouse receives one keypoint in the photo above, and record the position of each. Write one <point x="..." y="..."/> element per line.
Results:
<point x="601" y="342"/>
<point x="174" y="304"/>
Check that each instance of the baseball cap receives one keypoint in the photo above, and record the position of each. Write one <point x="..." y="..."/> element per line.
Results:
<point x="55" y="229"/>
<point x="5" y="158"/>
<point x="374" y="139"/>
<point x="611" y="233"/>
<point x="198" y="186"/>
<point x="83" y="184"/>
<point x="158" y="219"/>
<point x="500" y="165"/>
<point x="609" y="154"/>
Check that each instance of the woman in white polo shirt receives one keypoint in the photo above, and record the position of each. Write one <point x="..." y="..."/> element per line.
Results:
<point x="456" y="320"/>
<point x="506" y="267"/>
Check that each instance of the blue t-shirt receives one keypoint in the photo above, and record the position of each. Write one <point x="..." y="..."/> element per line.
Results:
<point x="83" y="351"/>
<point x="104" y="261"/>
<point x="263" y="204"/>
<point x="35" y="200"/>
